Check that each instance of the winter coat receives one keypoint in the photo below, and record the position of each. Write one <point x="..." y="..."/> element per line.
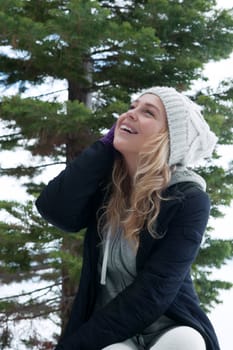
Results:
<point x="163" y="284"/>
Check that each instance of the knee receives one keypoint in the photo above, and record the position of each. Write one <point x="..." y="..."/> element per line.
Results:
<point x="180" y="338"/>
<point x="126" y="345"/>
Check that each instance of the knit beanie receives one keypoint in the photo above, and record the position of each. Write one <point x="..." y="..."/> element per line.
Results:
<point x="191" y="139"/>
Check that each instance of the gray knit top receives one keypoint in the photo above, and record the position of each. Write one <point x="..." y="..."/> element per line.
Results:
<point x="119" y="272"/>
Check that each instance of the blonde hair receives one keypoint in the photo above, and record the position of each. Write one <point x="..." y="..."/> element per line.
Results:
<point x="136" y="203"/>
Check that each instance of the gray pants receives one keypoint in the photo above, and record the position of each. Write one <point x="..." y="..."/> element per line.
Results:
<point x="178" y="338"/>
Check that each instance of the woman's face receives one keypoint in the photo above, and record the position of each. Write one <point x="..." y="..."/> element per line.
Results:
<point x="145" y="118"/>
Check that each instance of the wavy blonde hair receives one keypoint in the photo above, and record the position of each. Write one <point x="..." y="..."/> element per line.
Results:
<point x="136" y="203"/>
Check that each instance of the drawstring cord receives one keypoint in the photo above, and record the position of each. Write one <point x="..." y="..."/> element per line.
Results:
<point x="105" y="259"/>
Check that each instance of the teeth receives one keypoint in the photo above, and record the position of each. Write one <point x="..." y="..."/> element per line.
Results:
<point x="127" y="128"/>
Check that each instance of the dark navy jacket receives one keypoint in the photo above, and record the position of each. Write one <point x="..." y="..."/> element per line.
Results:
<point x="163" y="284"/>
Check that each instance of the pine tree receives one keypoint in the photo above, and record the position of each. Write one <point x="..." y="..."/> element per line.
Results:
<point x="103" y="51"/>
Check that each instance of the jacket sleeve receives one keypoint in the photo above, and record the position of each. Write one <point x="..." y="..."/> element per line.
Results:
<point x="67" y="201"/>
<point x="155" y="286"/>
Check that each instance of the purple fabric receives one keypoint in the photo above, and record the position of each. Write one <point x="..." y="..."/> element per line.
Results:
<point x="108" y="138"/>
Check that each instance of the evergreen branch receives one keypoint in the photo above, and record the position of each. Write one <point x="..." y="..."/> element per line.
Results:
<point x="31" y="317"/>
<point x="31" y="167"/>
<point x="49" y="93"/>
<point x="31" y="292"/>
<point x="10" y="135"/>
<point x="108" y="5"/>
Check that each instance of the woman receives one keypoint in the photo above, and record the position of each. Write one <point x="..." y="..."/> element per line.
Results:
<point x="145" y="214"/>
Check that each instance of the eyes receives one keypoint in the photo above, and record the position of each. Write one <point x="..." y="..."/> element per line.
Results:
<point x="145" y="110"/>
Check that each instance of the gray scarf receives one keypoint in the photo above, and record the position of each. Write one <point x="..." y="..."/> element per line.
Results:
<point x="183" y="174"/>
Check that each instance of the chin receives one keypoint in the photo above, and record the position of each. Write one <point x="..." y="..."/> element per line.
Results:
<point x="119" y="145"/>
<point x="124" y="148"/>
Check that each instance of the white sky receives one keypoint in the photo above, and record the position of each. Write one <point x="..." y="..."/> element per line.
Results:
<point x="222" y="315"/>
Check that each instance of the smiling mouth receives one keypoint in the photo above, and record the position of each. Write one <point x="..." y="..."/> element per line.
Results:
<point x="128" y="129"/>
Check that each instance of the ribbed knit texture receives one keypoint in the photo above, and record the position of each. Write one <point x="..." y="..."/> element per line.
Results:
<point x="191" y="139"/>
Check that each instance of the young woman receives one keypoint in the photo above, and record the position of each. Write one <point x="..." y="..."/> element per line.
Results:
<point x="145" y="212"/>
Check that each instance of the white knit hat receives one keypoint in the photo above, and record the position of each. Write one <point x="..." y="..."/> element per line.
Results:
<point x="191" y="139"/>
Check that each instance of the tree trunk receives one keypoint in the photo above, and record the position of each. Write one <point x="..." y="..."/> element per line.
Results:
<point x="73" y="147"/>
<point x="69" y="285"/>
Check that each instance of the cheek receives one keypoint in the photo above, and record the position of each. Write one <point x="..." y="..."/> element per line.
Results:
<point x="150" y="128"/>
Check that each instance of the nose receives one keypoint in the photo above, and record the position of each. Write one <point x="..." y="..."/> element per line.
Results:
<point x="132" y="114"/>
